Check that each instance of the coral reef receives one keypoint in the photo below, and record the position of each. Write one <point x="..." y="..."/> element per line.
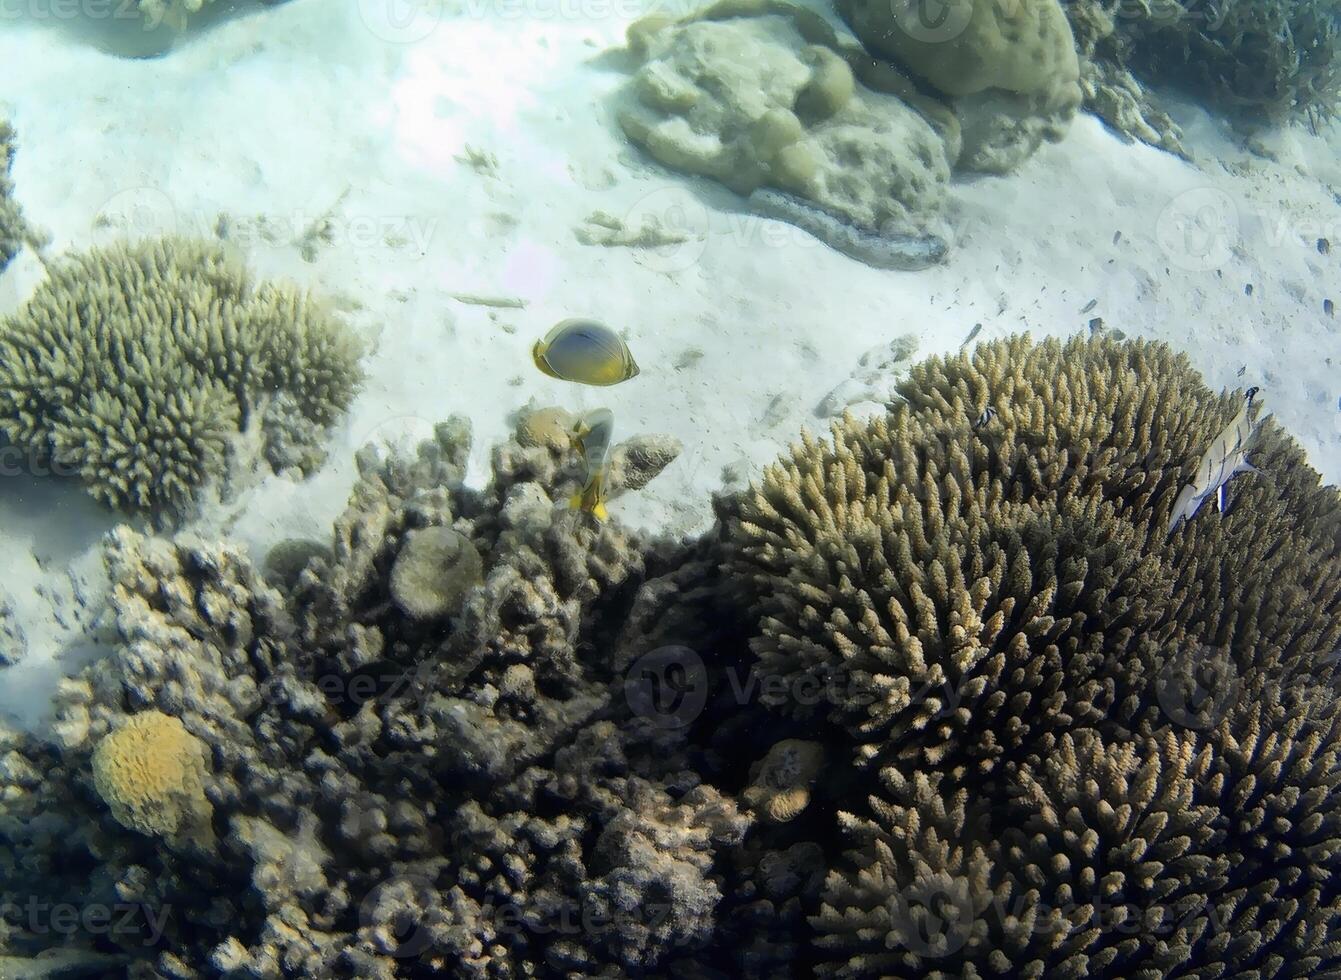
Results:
<point x="14" y="231"/>
<point x="385" y="792"/>
<point x="1077" y="727"/>
<point x="936" y="698"/>
<point x="1111" y="91"/>
<point x="1009" y="68"/>
<point x="1260" y="62"/>
<point x="764" y="96"/>
<point x="136" y="367"/>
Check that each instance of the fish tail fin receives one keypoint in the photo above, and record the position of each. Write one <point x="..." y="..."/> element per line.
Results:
<point x="590" y="503"/>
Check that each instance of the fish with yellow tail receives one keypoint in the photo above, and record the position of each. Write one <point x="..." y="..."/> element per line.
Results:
<point x="1226" y="457"/>
<point x="585" y="352"/>
<point x="593" y="435"/>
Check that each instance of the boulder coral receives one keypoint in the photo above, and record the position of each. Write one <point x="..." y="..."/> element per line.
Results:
<point x="763" y="97"/>
<point x="150" y="773"/>
<point x="136" y="367"/>
<point x="1008" y="67"/>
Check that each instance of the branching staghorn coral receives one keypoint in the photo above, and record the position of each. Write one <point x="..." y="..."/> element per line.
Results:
<point x="135" y="368"/>
<point x="1002" y="627"/>
<point x="966" y="589"/>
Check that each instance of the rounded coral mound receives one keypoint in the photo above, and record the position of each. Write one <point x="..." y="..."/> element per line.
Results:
<point x="1101" y="750"/>
<point x="135" y="367"/>
<point x="150" y="773"/>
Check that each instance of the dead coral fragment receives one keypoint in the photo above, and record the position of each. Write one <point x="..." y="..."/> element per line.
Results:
<point x="150" y="773"/>
<point x="636" y="462"/>
<point x="173" y="13"/>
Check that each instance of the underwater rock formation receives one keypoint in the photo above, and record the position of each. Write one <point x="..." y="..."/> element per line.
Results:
<point x="1009" y="68"/>
<point x="998" y="766"/>
<point x="135" y="368"/>
<point x="763" y="98"/>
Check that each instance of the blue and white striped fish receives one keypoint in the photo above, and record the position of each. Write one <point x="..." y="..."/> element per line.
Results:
<point x="1227" y="457"/>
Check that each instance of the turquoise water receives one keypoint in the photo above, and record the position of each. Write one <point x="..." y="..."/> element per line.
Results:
<point x="620" y="488"/>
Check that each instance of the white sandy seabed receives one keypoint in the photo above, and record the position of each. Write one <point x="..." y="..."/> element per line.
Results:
<point x="367" y="114"/>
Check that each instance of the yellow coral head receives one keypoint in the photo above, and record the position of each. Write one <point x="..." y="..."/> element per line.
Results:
<point x="150" y="773"/>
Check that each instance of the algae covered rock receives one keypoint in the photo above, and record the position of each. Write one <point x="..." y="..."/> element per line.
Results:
<point x="136" y="367"/>
<point x="770" y="106"/>
<point x="1009" y="67"/>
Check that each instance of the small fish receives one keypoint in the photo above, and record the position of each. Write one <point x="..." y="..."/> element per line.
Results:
<point x="984" y="417"/>
<point x="585" y="352"/>
<point x="593" y="433"/>
<point x="1226" y="457"/>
